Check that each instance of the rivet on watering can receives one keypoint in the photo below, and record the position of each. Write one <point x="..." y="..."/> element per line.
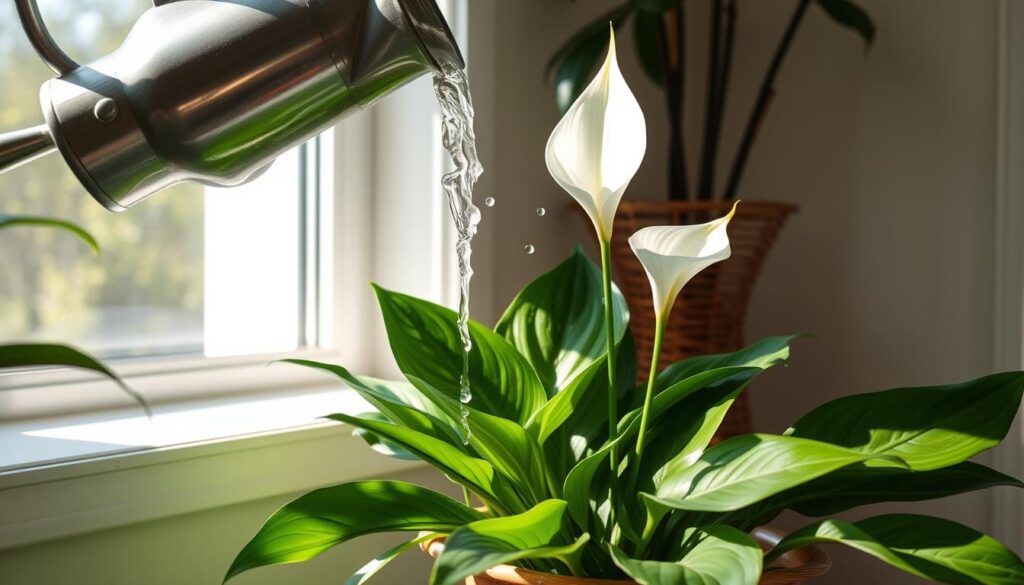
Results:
<point x="105" y="110"/>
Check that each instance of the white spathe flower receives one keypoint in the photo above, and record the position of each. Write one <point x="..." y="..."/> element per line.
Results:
<point x="597" y="147"/>
<point x="672" y="255"/>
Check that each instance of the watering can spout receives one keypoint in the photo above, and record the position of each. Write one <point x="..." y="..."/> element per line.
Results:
<point x="212" y="91"/>
<point x="22" y="146"/>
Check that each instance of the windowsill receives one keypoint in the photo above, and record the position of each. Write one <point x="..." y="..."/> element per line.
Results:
<point x="78" y="474"/>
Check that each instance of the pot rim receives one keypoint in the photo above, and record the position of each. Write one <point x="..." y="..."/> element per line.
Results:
<point x="794" y="566"/>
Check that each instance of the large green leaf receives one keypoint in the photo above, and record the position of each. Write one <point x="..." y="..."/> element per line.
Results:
<point x="744" y="470"/>
<point x="583" y="481"/>
<point x="425" y="342"/>
<point x="768" y="352"/>
<point x="476" y="474"/>
<point x="647" y="34"/>
<point x="481" y="545"/>
<point x="400" y="402"/>
<point x="574" y="63"/>
<point x="859" y="485"/>
<point x="691" y="422"/>
<point x="327" y="517"/>
<point x="561" y="406"/>
<point x="723" y="555"/>
<point x="928" y="547"/>
<point x="928" y="428"/>
<point x="557" y="322"/>
<point x="586" y="428"/>
<point x="655" y="6"/>
<point x="379" y="443"/>
<point x="28" y="355"/>
<point x="503" y="443"/>
<point x="370" y="569"/>
<point x="9" y="221"/>
<point x="852" y="16"/>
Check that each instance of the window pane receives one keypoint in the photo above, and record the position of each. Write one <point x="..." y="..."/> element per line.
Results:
<point x="188" y="271"/>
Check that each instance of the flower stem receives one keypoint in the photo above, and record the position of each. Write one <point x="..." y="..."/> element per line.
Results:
<point x="659" y="335"/>
<point x="609" y="326"/>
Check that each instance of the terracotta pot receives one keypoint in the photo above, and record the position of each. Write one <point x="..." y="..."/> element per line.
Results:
<point x="795" y="567"/>
<point x="710" y="313"/>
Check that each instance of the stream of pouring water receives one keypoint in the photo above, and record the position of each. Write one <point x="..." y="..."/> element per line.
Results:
<point x="458" y="138"/>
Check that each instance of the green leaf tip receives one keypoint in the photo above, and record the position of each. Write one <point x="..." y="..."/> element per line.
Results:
<point x="8" y="221"/>
<point x="848" y="14"/>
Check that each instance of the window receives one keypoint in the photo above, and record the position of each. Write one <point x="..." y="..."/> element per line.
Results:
<point x="197" y="289"/>
<point x="194" y="270"/>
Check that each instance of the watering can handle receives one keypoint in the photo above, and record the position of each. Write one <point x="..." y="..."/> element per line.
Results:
<point x="42" y="42"/>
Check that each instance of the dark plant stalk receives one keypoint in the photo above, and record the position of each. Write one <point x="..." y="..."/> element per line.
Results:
<point x="764" y="97"/>
<point x="721" y="94"/>
<point x="714" y="61"/>
<point x="672" y="37"/>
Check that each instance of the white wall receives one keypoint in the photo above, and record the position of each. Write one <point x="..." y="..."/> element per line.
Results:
<point x="197" y="549"/>
<point x="890" y="155"/>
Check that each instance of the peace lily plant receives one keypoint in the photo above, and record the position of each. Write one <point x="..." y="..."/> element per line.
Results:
<point x="548" y="382"/>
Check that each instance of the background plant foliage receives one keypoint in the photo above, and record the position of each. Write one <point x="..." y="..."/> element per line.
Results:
<point x="27" y="355"/>
<point x="537" y="457"/>
<point x="662" y="43"/>
<point x="150" y="279"/>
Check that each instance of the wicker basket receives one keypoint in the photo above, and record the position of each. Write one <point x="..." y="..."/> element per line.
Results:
<point x="793" y="568"/>
<point x="710" y="313"/>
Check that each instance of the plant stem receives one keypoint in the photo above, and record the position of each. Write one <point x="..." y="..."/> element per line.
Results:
<point x="466" y="495"/>
<point x="764" y="97"/>
<point x="721" y="93"/>
<point x="704" y="185"/>
<point x="609" y="328"/>
<point x="672" y="36"/>
<point x="659" y="335"/>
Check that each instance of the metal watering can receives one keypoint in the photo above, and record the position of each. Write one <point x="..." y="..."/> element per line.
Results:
<point x="213" y="90"/>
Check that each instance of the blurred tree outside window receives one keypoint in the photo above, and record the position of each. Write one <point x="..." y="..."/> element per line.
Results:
<point x="181" y="273"/>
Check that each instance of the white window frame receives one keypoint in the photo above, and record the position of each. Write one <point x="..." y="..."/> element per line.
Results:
<point x="1008" y="504"/>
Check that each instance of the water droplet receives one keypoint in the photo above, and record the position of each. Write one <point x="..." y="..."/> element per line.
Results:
<point x="489" y="202"/>
<point x="529" y="248"/>
<point x="541" y="211"/>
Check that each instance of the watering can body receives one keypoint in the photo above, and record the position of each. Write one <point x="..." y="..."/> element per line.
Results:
<point x="213" y="90"/>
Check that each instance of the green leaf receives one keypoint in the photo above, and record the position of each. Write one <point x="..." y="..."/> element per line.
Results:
<point x="722" y="555"/>
<point x="425" y="342"/>
<point x="471" y="472"/>
<point x="928" y="428"/>
<point x="583" y="480"/>
<point x="656" y="6"/>
<point x="502" y="443"/>
<point x="647" y="34"/>
<point x="859" y="485"/>
<point x="852" y="16"/>
<point x="744" y="470"/>
<point x="573" y="65"/>
<point x="43" y="354"/>
<point x="766" y="353"/>
<point x="484" y="544"/>
<point x="928" y="547"/>
<point x="586" y="429"/>
<point x="8" y="221"/>
<point x="557" y="321"/>
<point x="327" y="517"/>
<point x="380" y="444"/>
<point x="400" y="402"/>
<point x="562" y="405"/>
<point x="373" y="567"/>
